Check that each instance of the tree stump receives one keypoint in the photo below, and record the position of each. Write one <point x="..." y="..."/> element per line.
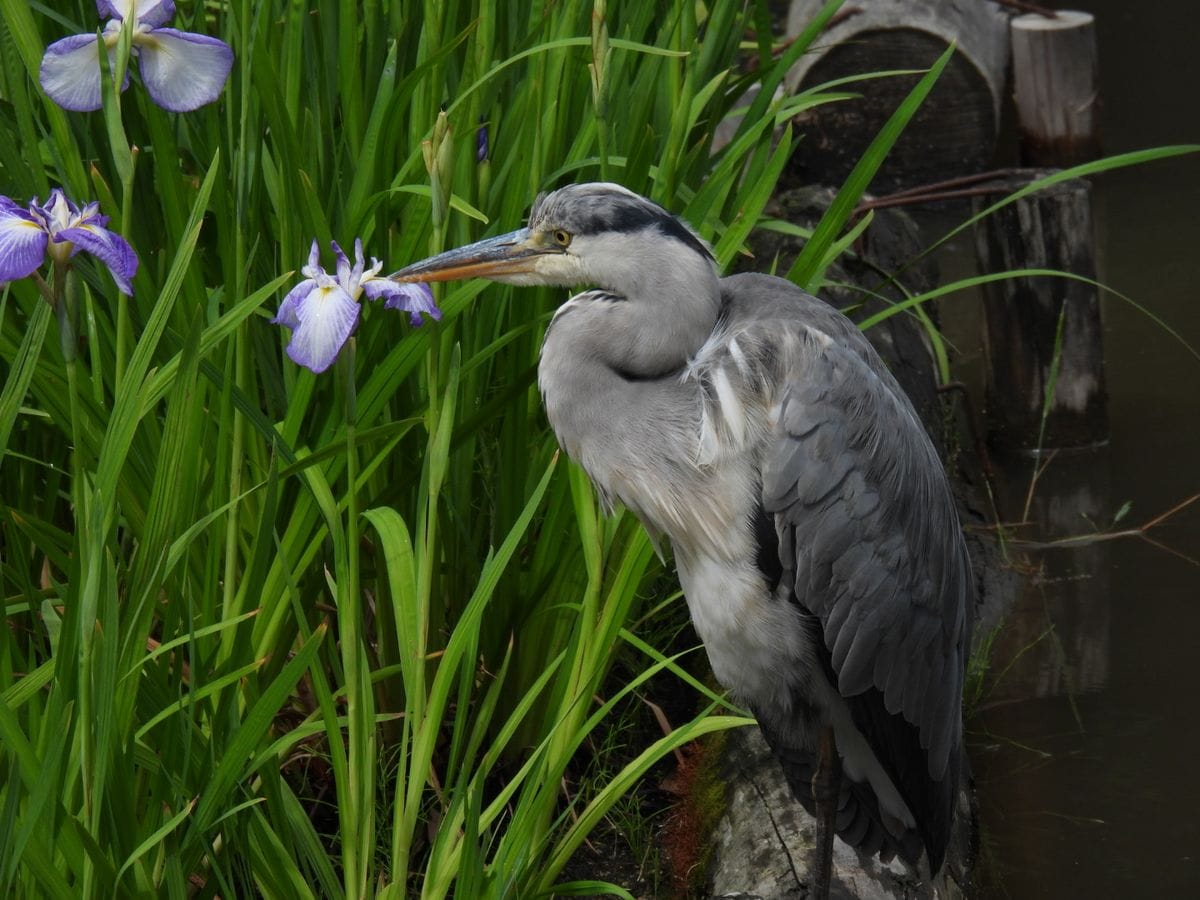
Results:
<point x="955" y="130"/>
<point x="1051" y="229"/>
<point x="1055" y="88"/>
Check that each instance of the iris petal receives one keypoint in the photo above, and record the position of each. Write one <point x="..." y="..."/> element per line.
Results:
<point x="113" y="9"/>
<point x="154" y="12"/>
<point x="289" y="315"/>
<point x="58" y="211"/>
<point x="342" y="266"/>
<point x="146" y="12"/>
<point x="22" y="243"/>
<point x="327" y="318"/>
<point x="108" y="247"/>
<point x="415" y="299"/>
<point x="70" y="73"/>
<point x="183" y="71"/>
<point x="314" y="261"/>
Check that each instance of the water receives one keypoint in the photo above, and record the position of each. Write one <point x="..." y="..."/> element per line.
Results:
<point x="1087" y="749"/>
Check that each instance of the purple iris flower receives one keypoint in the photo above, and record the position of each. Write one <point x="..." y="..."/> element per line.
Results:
<point x="322" y="310"/>
<point x="182" y="71"/>
<point x="61" y="229"/>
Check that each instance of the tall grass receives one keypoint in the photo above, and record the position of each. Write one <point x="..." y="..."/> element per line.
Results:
<point x="270" y="632"/>
<point x="339" y="635"/>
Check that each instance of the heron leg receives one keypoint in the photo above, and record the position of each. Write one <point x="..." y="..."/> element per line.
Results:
<point x="826" y="788"/>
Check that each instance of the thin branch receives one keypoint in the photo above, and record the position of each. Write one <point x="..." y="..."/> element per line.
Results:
<point x="956" y="182"/>
<point x="1170" y="512"/>
<point x="1142" y="532"/>
<point x="1038" y="471"/>
<point x="1022" y="6"/>
<point x="1161" y="546"/>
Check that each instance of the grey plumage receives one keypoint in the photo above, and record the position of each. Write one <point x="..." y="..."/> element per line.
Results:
<point x="755" y="428"/>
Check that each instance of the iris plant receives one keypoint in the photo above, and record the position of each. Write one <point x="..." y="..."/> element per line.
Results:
<point x="322" y="310"/>
<point x="60" y="229"/>
<point x="181" y="70"/>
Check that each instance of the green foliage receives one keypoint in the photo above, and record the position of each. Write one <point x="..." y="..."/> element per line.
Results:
<point x="339" y="635"/>
<point x="274" y="633"/>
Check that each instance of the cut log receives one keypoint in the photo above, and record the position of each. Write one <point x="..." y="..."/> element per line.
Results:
<point x="955" y="130"/>
<point x="1051" y="229"/>
<point x="1055" y="88"/>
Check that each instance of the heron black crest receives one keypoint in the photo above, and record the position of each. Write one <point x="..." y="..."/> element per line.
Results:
<point x="609" y="209"/>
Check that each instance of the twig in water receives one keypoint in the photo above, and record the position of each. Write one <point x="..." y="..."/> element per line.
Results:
<point x="1084" y="540"/>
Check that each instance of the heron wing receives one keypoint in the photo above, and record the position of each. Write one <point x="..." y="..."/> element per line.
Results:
<point x="869" y="541"/>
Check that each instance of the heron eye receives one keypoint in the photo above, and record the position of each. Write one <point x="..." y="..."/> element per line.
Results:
<point x="562" y="238"/>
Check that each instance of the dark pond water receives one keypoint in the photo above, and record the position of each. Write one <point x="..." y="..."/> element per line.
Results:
<point x="1087" y="747"/>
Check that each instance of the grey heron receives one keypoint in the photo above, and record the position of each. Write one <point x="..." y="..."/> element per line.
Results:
<point x="810" y="516"/>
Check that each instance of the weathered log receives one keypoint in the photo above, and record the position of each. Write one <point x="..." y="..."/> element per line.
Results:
<point x="955" y="130"/>
<point x="1051" y="229"/>
<point x="1055" y="88"/>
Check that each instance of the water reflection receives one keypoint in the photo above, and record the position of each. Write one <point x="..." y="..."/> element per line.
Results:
<point x="1055" y="640"/>
<point x="1085" y="748"/>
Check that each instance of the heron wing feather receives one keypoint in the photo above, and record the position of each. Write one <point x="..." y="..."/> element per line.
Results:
<point x="871" y="541"/>
<point x="858" y="488"/>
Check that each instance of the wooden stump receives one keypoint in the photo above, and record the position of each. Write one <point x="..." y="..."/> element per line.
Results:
<point x="1056" y="88"/>
<point x="1051" y="229"/>
<point x="1072" y="490"/>
<point x="955" y="130"/>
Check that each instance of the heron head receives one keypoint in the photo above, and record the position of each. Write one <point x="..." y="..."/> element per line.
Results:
<point x="599" y="233"/>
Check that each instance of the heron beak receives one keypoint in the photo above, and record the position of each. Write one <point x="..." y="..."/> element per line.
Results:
<point x="506" y="255"/>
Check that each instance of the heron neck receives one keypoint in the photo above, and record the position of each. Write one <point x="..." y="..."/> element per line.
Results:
<point x="609" y="420"/>
<point x="648" y="328"/>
